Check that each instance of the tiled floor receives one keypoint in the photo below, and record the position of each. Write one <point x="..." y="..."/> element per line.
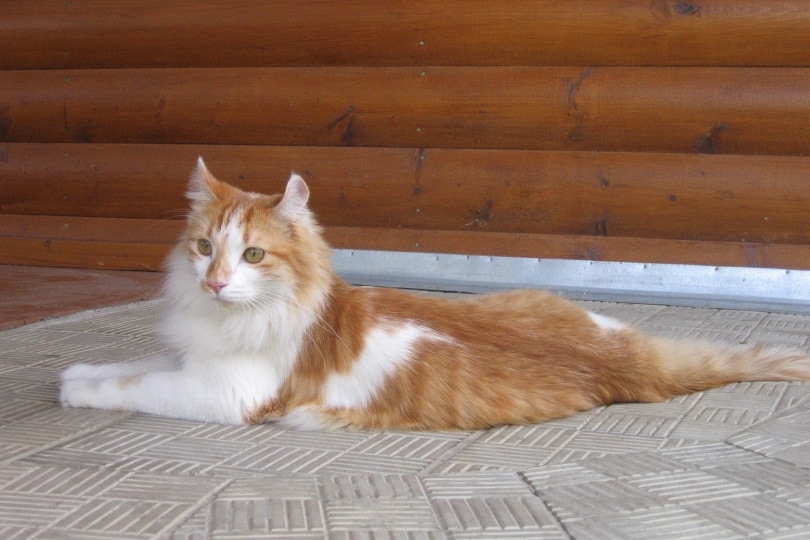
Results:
<point x="730" y="463"/>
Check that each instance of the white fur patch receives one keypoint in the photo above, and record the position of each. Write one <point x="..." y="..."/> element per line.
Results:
<point x="386" y="349"/>
<point x="606" y="323"/>
<point x="305" y="418"/>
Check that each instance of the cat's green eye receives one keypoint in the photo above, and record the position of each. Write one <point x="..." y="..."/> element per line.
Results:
<point x="254" y="255"/>
<point x="204" y="247"/>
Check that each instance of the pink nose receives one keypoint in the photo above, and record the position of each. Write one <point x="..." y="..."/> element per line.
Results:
<point x="216" y="286"/>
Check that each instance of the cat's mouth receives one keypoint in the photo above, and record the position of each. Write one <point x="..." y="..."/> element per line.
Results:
<point x="218" y="296"/>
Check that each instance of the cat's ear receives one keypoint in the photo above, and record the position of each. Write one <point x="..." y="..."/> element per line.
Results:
<point x="202" y="185"/>
<point x="294" y="202"/>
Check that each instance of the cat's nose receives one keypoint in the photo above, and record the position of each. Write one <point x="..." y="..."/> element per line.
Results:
<point x="216" y="286"/>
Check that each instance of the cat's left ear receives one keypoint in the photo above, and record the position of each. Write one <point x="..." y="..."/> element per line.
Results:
<point x="294" y="202"/>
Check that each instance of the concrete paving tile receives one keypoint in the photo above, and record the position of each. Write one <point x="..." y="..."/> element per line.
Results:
<point x="798" y="454"/>
<point x="687" y="467"/>
<point x="799" y="496"/>
<point x="567" y="474"/>
<point x="481" y="485"/>
<point x="670" y="522"/>
<point x="406" y="446"/>
<point x="64" y="457"/>
<point x="690" y="487"/>
<point x="117" y="441"/>
<point x="12" y="410"/>
<point x="162" y="487"/>
<point x="10" y="532"/>
<point x="482" y="456"/>
<point x="755" y="514"/>
<point x="371" y="486"/>
<point x="122" y="518"/>
<point x="12" y="471"/>
<point x="635" y="465"/>
<point x="143" y="464"/>
<point x="266" y="518"/>
<point x="711" y="454"/>
<point x="69" y="481"/>
<point x="496" y="516"/>
<point x="142" y="423"/>
<point x="600" y="498"/>
<point x="348" y="462"/>
<point x="31" y="434"/>
<point x="183" y="448"/>
<point x="36" y="509"/>
<point x="627" y="423"/>
<point x="378" y="534"/>
<point x="76" y="418"/>
<point x="540" y="435"/>
<point x="600" y="444"/>
<point x="380" y="515"/>
<point x="238" y="434"/>
<point x="765" y="476"/>
<point x="272" y="459"/>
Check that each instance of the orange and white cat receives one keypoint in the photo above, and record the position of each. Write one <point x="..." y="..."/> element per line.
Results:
<point x="265" y="331"/>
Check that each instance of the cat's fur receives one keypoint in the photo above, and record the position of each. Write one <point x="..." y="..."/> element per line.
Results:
<point x="285" y="339"/>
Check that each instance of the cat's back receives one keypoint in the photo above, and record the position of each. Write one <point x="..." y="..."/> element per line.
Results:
<point x="513" y="312"/>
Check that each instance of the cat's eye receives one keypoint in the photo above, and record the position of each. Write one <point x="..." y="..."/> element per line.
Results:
<point x="254" y="255"/>
<point x="204" y="247"/>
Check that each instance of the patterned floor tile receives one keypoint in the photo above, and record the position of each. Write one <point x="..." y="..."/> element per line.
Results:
<point x="757" y="514"/>
<point x="371" y="486"/>
<point x="728" y="463"/>
<point x="672" y="522"/>
<point x="601" y="498"/>
<point x="260" y="517"/>
<point x="481" y="485"/>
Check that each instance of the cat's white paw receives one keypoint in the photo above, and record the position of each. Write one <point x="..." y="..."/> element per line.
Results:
<point x="81" y="371"/>
<point x="80" y="392"/>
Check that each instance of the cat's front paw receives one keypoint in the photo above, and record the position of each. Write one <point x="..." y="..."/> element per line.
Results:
<point x="79" y="392"/>
<point x="81" y="371"/>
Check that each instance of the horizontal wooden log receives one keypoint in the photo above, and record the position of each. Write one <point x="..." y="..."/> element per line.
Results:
<point x="46" y="34"/>
<point x="82" y="254"/>
<point x="750" y="199"/>
<point x="90" y="229"/>
<point x="703" y="110"/>
<point x="143" y="245"/>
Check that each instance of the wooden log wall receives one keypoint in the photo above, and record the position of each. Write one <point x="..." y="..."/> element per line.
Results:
<point x="653" y="131"/>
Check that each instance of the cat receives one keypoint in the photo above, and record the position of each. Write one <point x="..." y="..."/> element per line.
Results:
<point x="265" y="331"/>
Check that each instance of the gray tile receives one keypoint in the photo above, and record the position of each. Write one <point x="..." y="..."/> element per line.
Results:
<point x="726" y="463"/>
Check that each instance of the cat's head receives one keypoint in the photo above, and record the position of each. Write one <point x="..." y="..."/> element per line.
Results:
<point x="248" y="249"/>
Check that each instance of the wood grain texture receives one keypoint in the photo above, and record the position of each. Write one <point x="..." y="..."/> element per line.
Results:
<point x="689" y="110"/>
<point x="144" y="244"/>
<point x="656" y="131"/>
<point x="757" y="199"/>
<point x="51" y="34"/>
<point x="82" y="254"/>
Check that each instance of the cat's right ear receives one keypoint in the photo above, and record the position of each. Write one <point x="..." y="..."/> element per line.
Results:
<point x="202" y="185"/>
<point x="294" y="202"/>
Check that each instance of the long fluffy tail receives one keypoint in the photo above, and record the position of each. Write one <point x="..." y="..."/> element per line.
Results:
<point x="692" y="366"/>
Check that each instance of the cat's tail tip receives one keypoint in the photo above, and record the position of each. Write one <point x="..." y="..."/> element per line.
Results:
<point x="702" y="365"/>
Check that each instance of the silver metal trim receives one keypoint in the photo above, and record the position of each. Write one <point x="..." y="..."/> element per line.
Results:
<point x="761" y="289"/>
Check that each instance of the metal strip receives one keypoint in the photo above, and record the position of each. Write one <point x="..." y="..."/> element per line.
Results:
<point x="761" y="289"/>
